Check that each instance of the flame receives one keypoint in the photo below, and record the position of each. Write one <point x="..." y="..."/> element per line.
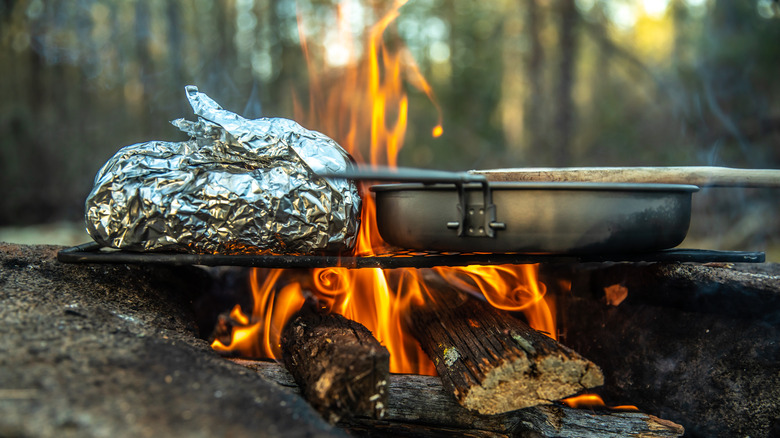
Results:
<point x="237" y="315"/>
<point x="509" y="287"/>
<point x="593" y="401"/>
<point x="363" y="105"/>
<point x="274" y="304"/>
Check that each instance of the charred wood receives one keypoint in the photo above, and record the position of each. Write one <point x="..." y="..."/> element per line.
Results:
<point x="421" y="405"/>
<point x="735" y="290"/>
<point x="557" y="421"/>
<point x="341" y="368"/>
<point x="223" y="330"/>
<point x="492" y="362"/>
<point x="389" y="429"/>
<point x="688" y="342"/>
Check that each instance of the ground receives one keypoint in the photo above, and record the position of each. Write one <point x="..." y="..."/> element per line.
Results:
<point x="103" y="350"/>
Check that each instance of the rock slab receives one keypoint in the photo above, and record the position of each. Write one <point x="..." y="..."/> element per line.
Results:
<point x="112" y="350"/>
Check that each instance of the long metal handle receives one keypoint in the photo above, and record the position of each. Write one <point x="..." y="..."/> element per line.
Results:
<point x="406" y="174"/>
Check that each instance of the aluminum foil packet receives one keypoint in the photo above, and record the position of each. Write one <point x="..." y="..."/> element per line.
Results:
<point x="237" y="186"/>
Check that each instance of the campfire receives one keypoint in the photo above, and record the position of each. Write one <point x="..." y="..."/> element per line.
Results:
<point x="489" y="332"/>
<point x="365" y="104"/>
<point x="188" y="317"/>
<point x="484" y="346"/>
<point x="364" y="107"/>
<point x="468" y="332"/>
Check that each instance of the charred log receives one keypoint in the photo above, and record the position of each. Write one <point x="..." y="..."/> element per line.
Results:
<point x="492" y="362"/>
<point x="692" y="343"/>
<point x="421" y="406"/>
<point x="341" y="368"/>
<point x="389" y="429"/>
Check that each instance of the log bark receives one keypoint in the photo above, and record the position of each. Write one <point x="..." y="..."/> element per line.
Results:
<point x="339" y="365"/>
<point x="492" y="362"/>
<point x="422" y="404"/>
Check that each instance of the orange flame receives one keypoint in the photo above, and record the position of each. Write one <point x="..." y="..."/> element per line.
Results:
<point x="514" y="288"/>
<point x="593" y="401"/>
<point x="363" y="104"/>
<point x="274" y="304"/>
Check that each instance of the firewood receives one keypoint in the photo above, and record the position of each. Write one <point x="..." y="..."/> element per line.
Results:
<point x="423" y="401"/>
<point x="341" y="368"/>
<point x="389" y="429"/>
<point x="493" y="362"/>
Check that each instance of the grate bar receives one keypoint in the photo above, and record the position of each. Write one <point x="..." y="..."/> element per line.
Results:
<point x="93" y="253"/>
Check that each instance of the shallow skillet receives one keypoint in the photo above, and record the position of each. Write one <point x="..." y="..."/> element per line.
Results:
<point x="469" y="212"/>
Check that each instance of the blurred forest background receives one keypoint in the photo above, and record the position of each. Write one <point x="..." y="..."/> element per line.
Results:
<point x="519" y="83"/>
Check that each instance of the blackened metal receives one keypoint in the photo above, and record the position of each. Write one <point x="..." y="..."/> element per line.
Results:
<point x="92" y="253"/>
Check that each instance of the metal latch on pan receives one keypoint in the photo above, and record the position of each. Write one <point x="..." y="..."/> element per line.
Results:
<point x="476" y="219"/>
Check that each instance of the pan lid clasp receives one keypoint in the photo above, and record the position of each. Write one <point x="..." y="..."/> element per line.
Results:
<point x="476" y="219"/>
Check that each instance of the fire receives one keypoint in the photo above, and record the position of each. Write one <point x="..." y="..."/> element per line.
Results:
<point x="363" y="104"/>
<point x="274" y="303"/>
<point x="512" y="288"/>
<point x="593" y="401"/>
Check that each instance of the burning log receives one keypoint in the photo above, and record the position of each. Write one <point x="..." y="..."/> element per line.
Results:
<point x="420" y="405"/>
<point x="492" y="362"/>
<point x="341" y="368"/>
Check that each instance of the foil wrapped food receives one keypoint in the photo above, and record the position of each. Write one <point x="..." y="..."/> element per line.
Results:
<point x="236" y="186"/>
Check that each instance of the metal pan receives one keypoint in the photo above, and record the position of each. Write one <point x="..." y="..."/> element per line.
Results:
<point x="569" y="218"/>
<point x="473" y="212"/>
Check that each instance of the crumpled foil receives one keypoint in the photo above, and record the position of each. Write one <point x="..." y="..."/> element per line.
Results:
<point x="236" y="186"/>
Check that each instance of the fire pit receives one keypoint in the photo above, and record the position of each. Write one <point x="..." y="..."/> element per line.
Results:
<point x="708" y="328"/>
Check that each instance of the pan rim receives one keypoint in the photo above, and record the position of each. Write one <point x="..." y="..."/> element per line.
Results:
<point x="581" y="186"/>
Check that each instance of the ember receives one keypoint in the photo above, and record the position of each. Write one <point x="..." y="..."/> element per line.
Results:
<point x="594" y="401"/>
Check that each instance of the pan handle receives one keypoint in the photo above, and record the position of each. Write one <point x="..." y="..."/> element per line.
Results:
<point x="702" y="176"/>
<point x="475" y="220"/>
<point x="405" y="174"/>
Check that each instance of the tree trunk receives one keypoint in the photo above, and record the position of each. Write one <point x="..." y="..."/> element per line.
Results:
<point x="564" y="120"/>
<point x="534" y="116"/>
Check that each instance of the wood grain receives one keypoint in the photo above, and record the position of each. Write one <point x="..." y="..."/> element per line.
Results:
<point x="702" y="176"/>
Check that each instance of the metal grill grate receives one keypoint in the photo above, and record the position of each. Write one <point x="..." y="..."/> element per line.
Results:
<point x="93" y="253"/>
